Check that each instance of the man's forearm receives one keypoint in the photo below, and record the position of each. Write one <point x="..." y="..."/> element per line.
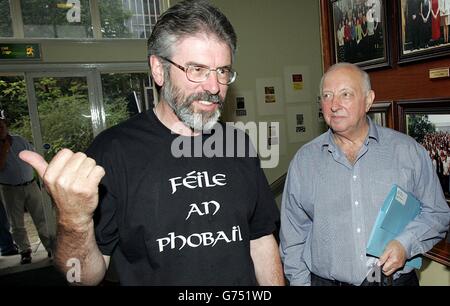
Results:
<point x="267" y="262"/>
<point x="76" y="248"/>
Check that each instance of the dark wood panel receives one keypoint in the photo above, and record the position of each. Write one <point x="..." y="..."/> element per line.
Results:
<point x="440" y="253"/>
<point x="325" y="36"/>
<point x="410" y="81"/>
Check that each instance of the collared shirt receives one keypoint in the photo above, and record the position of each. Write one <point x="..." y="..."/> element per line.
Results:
<point x="16" y="171"/>
<point x="329" y="205"/>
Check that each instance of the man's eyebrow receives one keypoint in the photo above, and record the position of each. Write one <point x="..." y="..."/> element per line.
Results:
<point x="346" y="89"/>
<point x="192" y="63"/>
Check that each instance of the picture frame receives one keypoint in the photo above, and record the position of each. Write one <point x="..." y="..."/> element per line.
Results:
<point x="369" y="45"/>
<point x="428" y="122"/>
<point x="437" y="111"/>
<point x="423" y="29"/>
<point x="381" y="113"/>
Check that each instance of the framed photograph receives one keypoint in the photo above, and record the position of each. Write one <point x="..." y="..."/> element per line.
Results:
<point x="359" y="34"/>
<point x="428" y="122"/>
<point x="423" y="28"/>
<point x="381" y="114"/>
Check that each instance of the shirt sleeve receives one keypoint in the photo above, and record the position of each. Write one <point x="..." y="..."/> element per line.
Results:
<point x="266" y="215"/>
<point x="295" y="228"/>
<point x="105" y="222"/>
<point x="430" y="226"/>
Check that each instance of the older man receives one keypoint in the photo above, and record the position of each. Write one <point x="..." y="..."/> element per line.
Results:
<point x="337" y="183"/>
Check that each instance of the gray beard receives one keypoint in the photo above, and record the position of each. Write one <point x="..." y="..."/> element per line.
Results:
<point x="182" y="106"/>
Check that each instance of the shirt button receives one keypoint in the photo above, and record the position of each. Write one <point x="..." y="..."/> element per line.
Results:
<point x="358" y="230"/>
<point x="356" y="203"/>
<point x="354" y="177"/>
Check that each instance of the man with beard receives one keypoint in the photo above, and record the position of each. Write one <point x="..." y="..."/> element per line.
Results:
<point x="162" y="219"/>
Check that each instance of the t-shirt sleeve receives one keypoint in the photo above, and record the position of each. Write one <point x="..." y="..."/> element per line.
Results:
<point x="105" y="222"/>
<point x="266" y="216"/>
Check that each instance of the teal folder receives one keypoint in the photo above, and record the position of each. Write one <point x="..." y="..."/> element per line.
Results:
<point x="399" y="208"/>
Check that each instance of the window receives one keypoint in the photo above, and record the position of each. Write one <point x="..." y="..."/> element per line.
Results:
<point x="128" y="18"/>
<point x="13" y="100"/>
<point x="79" y="18"/>
<point x="56" y="19"/>
<point x="124" y="95"/>
<point x="5" y="19"/>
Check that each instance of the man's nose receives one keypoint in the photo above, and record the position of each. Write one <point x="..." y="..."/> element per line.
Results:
<point x="335" y="103"/>
<point x="212" y="84"/>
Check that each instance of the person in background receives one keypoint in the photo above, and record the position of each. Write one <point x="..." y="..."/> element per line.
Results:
<point x="7" y="245"/>
<point x="337" y="183"/>
<point x="19" y="191"/>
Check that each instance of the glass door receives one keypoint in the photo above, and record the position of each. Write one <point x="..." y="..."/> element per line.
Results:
<point x="65" y="112"/>
<point x="55" y="110"/>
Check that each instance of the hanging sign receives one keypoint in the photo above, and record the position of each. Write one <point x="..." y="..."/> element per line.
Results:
<point x="20" y="52"/>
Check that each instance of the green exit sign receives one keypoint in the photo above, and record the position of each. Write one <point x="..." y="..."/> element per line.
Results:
<point x="20" y="52"/>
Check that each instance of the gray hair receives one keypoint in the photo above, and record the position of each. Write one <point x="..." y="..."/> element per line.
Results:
<point x="189" y="18"/>
<point x="365" y="78"/>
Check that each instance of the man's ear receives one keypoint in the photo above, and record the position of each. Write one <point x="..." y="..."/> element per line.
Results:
<point x="370" y="97"/>
<point x="157" y="69"/>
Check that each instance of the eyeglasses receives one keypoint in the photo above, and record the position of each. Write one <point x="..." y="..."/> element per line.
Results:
<point x="200" y="73"/>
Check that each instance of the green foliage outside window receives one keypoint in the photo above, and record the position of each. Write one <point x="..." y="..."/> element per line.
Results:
<point x="419" y="126"/>
<point x="113" y="18"/>
<point x="64" y="112"/>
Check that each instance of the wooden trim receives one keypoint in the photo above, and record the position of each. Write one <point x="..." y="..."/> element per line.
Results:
<point x="440" y="253"/>
<point x="325" y="34"/>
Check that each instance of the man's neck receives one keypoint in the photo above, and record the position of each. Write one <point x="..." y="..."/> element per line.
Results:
<point x="351" y="143"/>
<point x="167" y="116"/>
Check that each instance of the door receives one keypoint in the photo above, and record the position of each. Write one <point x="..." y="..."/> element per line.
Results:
<point x="55" y="110"/>
<point x="64" y="112"/>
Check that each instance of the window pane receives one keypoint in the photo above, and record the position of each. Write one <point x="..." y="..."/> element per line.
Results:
<point x="124" y="95"/>
<point x="5" y="19"/>
<point x="127" y="18"/>
<point x="13" y="100"/>
<point x="56" y="18"/>
<point x="64" y="113"/>
<point x="115" y="19"/>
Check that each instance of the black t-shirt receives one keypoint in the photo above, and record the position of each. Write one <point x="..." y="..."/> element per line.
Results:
<point x="170" y="220"/>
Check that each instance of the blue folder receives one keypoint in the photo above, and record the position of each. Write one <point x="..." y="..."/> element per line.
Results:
<point x="399" y="208"/>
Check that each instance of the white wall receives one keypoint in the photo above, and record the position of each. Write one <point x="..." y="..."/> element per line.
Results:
<point x="434" y="274"/>
<point x="271" y="36"/>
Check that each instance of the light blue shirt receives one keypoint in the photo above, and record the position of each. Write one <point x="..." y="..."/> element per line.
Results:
<point x="329" y="205"/>
<point x="17" y="171"/>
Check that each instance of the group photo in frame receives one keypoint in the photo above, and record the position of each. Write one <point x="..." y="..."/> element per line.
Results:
<point x="424" y="27"/>
<point x="428" y="122"/>
<point x="359" y="32"/>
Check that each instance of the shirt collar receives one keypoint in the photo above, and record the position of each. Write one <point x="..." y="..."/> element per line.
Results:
<point x="329" y="144"/>
<point x="373" y="132"/>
